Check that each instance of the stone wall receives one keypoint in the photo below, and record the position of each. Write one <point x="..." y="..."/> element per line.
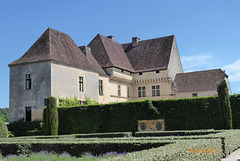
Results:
<point x="20" y="98"/>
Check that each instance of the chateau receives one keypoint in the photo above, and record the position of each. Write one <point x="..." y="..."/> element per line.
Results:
<point x="104" y="71"/>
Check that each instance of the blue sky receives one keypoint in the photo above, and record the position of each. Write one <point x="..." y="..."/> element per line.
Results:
<point x="207" y="32"/>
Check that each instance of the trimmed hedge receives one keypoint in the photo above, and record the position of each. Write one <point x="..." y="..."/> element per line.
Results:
<point x="78" y="148"/>
<point x="179" y="114"/>
<point x="190" y="113"/>
<point x="175" y="133"/>
<point x="50" y="117"/>
<point x="235" y="106"/>
<point x="20" y="128"/>
<point x="116" y="117"/>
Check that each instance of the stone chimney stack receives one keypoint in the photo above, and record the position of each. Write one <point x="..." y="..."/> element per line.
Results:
<point x="111" y="37"/>
<point x="135" y="41"/>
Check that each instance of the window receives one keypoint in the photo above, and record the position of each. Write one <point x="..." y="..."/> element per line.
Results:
<point x="81" y="84"/>
<point x="100" y="87"/>
<point x="156" y="90"/>
<point x="28" y="81"/>
<point x="140" y="73"/>
<point x="194" y="94"/>
<point x="28" y="114"/>
<point x="119" y="90"/>
<point x="141" y="91"/>
<point x="157" y="71"/>
<point x="45" y="102"/>
<point x="128" y="92"/>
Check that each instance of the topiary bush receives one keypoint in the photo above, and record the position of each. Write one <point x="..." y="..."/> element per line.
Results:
<point x="224" y="105"/>
<point x="50" y="117"/>
<point x="3" y="129"/>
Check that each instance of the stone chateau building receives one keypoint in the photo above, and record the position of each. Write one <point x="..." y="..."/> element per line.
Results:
<point x="104" y="70"/>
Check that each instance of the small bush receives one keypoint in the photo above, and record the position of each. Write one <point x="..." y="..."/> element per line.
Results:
<point x="3" y="129"/>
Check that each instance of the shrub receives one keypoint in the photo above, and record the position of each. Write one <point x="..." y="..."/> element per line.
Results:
<point x="51" y="117"/>
<point x="20" y="128"/>
<point x="3" y="129"/>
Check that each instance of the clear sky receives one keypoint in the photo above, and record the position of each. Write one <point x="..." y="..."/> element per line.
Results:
<point x="207" y="31"/>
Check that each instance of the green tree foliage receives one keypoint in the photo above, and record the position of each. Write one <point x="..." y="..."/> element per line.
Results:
<point x="224" y="105"/>
<point x="3" y="129"/>
<point x="71" y="102"/>
<point x="68" y="102"/>
<point x="50" y="117"/>
<point x="4" y="114"/>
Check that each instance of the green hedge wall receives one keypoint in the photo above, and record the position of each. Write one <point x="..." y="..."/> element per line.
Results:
<point x="235" y="105"/>
<point x="179" y="114"/>
<point x="117" y="117"/>
<point x="190" y="113"/>
<point x="20" y="128"/>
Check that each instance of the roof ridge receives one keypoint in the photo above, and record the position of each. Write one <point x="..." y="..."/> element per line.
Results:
<point x="49" y="37"/>
<point x="151" y="39"/>
<point x="201" y="71"/>
<point x="100" y="36"/>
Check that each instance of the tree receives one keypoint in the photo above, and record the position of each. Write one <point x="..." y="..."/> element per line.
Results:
<point x="3" y="129"/>
<point x="224" y="105"/>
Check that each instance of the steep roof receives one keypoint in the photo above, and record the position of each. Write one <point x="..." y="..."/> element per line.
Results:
<point x="58" y="47"/>
<point x="109" y="53"/>
<point x="207" y="80"/>
<point x="92" y="60"/>
<point x="150" y="54"/>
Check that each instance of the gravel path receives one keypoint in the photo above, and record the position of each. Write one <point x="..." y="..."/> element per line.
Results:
<point x="235" y="156"/>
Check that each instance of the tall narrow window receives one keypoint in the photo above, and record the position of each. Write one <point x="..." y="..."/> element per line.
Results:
<point x="100" y="87"/>
<point x="81" y="84"/>
<point x="156" y="90"/>
<point x="28" y="81"/>
<point x="128" y="92"/>
<point x="119" y="90"/>
<point x="28" y="114"/>
<point x="142" y="91"/>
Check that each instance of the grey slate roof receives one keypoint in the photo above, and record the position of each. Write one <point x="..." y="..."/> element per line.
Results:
<point x="58" y="47"/>
<point x="109" y="53"/>
<point x="207" y="80"/>
<point x="150" y="54"/>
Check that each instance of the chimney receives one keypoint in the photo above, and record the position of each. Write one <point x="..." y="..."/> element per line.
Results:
<point x="85" y="49"/>
<point x="135" y="41"/>
<point x="111" y="37"/>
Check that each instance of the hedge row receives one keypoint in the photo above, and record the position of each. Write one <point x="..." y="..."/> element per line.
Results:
<point x="77" y="149"/>
<point x="117" y="117"/>
<point x="211" y="147"/>
<point x="179" y="114"/>
<point x="20" y="128"/>
<point x="174" y="133"/>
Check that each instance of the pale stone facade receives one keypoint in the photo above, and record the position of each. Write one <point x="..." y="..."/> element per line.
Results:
<point x="104" y="71"/>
